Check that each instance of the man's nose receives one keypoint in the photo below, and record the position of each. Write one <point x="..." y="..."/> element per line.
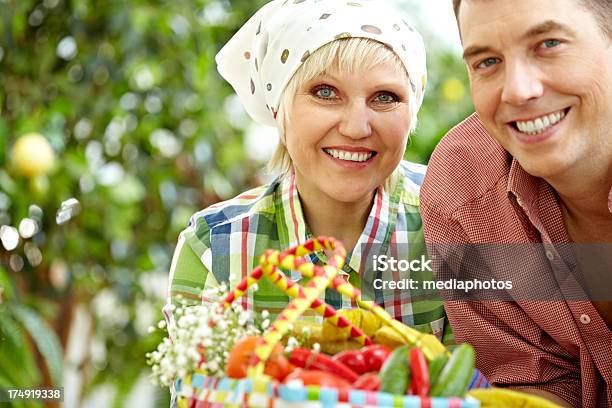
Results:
<point x="355" y="121"/>
<point x="522" y="84"/>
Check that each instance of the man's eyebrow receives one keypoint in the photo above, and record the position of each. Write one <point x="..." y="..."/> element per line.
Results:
<point x="475" y="50"/>
<point x="546" y="27"/>
<point x="539" y="29"/>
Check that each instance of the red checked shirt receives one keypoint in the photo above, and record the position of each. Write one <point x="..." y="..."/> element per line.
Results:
<point x="475" y="192"/>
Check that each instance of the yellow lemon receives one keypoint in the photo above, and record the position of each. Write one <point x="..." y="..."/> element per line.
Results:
<point x="452" y="90"/>
<point x="32" y="155"/>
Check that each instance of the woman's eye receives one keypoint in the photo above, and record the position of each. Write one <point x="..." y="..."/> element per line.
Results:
<point x="324" y="92"/>
<point x="550" y="43"/>
<point x="487" y="62"/>
<point x="386" y="97"/>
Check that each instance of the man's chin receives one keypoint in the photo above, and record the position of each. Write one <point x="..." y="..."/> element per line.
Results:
<point x="544" y="166"/>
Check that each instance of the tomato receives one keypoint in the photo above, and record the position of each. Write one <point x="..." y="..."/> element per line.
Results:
<point x="374" y="356"/>
<point x="353" y="359"/>
<point x="320" y="378"/>
<point x="243" y="353"/>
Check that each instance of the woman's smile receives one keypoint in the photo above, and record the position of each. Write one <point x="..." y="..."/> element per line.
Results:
<point x="347" y="132"/>
<point x="352" y="157"/>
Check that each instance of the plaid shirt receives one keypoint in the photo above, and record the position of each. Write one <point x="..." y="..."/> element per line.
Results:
<point x="224" y="242"/>
<point x="475" y="192"/>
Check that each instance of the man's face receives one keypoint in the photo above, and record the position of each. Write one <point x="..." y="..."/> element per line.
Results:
<point x="541" y="80"/>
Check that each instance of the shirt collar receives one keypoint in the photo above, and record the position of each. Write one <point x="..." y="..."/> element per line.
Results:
<point x="539" y="202"/>
<point x="292" y="228"/>
<point x="525" y="186"/>
<point x="289" y="216"/>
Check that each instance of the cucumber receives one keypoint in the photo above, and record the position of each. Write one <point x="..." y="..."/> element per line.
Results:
<point x="435" y="368"/>
<point x="455" y="376"/>
<point x="395" y="372"/>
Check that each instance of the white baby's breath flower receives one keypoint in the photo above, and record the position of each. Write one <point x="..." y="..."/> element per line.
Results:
<point x="316" y="347"/>
<point x="161" y="324"/>
<point x="181" y="372"/>
<point x="213" y="366"/>
<point x="203" y="337"/>
<point x="181" y="361"/>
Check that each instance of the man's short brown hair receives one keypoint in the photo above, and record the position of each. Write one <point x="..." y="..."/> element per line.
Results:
<point x="601" y="9"/>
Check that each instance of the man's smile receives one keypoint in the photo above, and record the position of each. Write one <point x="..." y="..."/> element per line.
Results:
<point x="539" y="124"/>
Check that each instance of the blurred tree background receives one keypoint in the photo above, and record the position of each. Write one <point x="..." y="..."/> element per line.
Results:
<point x="114" y="128"/>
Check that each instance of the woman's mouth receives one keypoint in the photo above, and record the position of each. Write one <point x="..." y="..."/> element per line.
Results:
<point x="345" y="155"/>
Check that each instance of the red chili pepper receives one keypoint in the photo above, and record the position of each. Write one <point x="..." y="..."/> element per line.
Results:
<point x="310" y="360"/>
<point x="354" y="360"/>
<point x="367" y="382"/>
<point x="318" y="377"/>
<point x="374" y="356"/>
<point x="420" y="372"/>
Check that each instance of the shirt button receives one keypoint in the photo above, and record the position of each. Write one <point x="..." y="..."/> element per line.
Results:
<point x="585" y="319"/>
<point x="550" y="255"/>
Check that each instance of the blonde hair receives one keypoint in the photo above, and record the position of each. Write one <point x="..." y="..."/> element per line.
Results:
<point x="347" y="54"/>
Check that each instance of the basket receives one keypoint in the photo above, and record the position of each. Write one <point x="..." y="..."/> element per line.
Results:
<point x="199" y="391"/>
<point x="258" y="390"/>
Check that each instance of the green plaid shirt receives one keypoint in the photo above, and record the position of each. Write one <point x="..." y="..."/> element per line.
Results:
<point x="223" y="243"/>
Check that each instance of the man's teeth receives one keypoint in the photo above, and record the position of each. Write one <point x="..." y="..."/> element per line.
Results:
<point x="533" y="127"/>
<point x="349" y="156"/>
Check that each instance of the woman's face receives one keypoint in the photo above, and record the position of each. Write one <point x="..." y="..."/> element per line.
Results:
<point x="346" y="132"/>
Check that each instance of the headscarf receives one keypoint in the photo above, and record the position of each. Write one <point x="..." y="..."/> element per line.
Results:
<point x="260" y="59"/>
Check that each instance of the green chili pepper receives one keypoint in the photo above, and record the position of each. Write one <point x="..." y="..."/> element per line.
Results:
<point x="395" y="372"/>
<point x="435" y="368"/>
<point x="455" y="376"/>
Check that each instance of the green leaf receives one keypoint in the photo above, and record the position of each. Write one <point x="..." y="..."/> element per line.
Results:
<point x="16" y="352"/>
<point x="6" y="284"/>
<point x="46" y="341"/>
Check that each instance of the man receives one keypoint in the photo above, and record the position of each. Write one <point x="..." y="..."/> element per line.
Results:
<point x="532" y="165"/>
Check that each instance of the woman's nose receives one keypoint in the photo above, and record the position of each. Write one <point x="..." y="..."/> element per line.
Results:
<point x="355" y="121"/>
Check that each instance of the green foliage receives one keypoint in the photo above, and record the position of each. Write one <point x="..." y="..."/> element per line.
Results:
<point x="127" y="94"/>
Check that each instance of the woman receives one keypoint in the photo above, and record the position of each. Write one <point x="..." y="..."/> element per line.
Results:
<point x="342" y="82"/>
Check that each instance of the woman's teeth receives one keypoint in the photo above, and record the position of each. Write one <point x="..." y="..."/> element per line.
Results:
<point x="539" y="125"/>
<point x="349" y="156"/>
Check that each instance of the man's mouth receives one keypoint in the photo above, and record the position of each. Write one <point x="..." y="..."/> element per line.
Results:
<point x="540" y="124"/>
<point x="350" y="156"/>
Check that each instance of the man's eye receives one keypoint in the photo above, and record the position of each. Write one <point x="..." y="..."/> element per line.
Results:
<point x="487" y="62"/>
<point x="324" y="92"/>
<point x="386" y="97"/>
<point x="550" y="43"/>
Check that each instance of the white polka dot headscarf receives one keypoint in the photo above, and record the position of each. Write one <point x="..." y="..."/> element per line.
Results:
<point x="264" y="54"/>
